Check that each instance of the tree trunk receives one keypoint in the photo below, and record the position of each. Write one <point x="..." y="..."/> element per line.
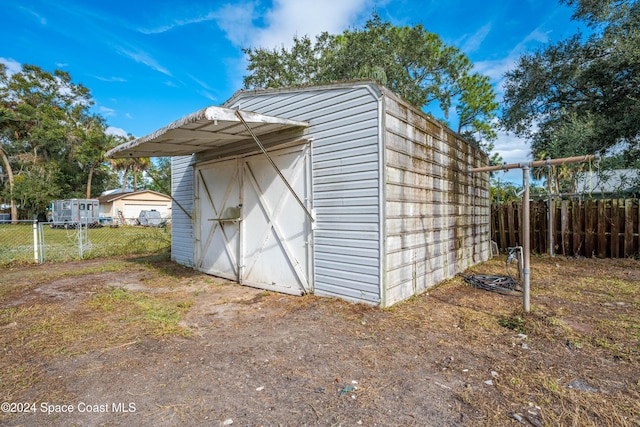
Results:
<point x="7" y="166"/>
<point x="124" y="179"/>
<point x="91" y="171"/>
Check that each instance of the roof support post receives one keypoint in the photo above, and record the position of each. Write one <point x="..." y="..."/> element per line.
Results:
<point x="264" y="151"/>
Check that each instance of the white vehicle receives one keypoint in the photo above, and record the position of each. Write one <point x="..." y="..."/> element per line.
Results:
<point x="71" y="212"/>
<point x="151" y="218"/>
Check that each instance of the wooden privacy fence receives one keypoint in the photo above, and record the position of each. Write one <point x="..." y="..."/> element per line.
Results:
<point x="601" y="228"/>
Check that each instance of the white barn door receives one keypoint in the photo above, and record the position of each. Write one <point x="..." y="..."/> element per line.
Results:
<point x="277" y="252"/>
<point x="216" y="239"/>
<point x="270" y="246"/>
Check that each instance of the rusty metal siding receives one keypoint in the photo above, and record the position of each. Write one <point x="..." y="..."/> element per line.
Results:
<point x="436" y="215"/>
<point x="344" y="123"/>
<point x="181" y="224"/>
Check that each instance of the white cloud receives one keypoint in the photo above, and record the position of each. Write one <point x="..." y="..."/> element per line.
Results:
<point x="199" y="82"/>
<point x="106" y="111"/>
<point x="537" y="36"/>
<point x="246" y="23"/>
<point x="12" y="65"/>
<point x="179" y="23"/>
<point x="288" y="18"/>
<point x="111" y="79"/>
<point x="208" y="95"/>
<point x="513" y="150"/>
<point x="111" y="130"/>
<point x="41" y="19"/>
<point x="495" y="69"/>
<point x="512" y="175"/>
<point x="473" y="43"/>
<point x="293" y="17"/>
<point x="144" y="58"/>
<point x="236" y="20"/>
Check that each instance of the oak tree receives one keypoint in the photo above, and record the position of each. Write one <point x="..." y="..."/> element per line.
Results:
<point x="411" y="61"/>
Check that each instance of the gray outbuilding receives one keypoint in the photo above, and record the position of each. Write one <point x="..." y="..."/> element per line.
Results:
<point x="342" y="190"/>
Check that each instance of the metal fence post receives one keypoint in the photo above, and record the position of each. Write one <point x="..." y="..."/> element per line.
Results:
<point x="35" y="241"/>
<point x="41" y="241"/>
<point x="79" y="228"/>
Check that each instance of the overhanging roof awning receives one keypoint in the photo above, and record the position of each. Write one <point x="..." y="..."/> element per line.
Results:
<point x="203" y="130"/>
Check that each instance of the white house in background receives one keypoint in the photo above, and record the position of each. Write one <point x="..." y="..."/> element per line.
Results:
<point x="131" y="203"/>
<point x="608" y="182"/>
<point x="341" y="190"/>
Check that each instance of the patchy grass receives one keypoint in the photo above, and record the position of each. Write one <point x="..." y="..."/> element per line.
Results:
<point x="574" y="359"/>
<point x="41" y="330"/>
<point x="582" y="327"/>
<point x="154" y="314"/>
<point x="16" y="242"/>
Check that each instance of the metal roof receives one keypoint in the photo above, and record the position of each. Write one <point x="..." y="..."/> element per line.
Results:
<point x="206" y="129"/>
<point x="108" y="198"/>
<point x="607" y="181"/>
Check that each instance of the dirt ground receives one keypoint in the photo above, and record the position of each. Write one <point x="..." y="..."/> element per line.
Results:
<point x="142" y="341"/>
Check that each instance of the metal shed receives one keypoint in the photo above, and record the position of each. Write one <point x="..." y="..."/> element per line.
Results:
<point x="341" y="190"/>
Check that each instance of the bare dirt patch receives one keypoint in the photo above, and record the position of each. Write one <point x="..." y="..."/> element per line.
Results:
<point x="142" y="341"/>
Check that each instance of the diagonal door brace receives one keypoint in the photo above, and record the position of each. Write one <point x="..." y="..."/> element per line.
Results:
<point x="264" y="151"/>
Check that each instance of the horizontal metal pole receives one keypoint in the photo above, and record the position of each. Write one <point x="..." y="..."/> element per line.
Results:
<point x="535" y="164"/>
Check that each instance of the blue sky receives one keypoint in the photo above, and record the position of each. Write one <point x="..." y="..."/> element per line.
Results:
<point x="148" y="63"/>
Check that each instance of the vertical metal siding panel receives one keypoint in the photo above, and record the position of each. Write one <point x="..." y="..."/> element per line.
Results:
<point x="182" y="226"/>
<point x="436" y="214"/>
<point x="345" y="132"/>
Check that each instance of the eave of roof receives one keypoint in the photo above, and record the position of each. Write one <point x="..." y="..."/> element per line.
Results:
<point x="113" y="197"/>
<point x="206" y="129"/>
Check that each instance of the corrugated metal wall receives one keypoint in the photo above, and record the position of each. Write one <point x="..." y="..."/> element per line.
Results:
<point x="344" y="127"/>
<point x="181" y="224"/>
<point x="437" y="216"/>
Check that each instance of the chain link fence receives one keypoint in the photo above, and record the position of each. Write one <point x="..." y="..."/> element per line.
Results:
<point x="33" y="242"/>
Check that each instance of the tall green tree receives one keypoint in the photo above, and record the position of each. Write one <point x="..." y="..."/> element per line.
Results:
<point x="581" y="95"/>
<point x="476" y="110"/>
<point x="160" y="173"/>
<point x="140" y="165"/>
<point x="6" y="120"/>
<point x="90" y="142"/>
<point x="50" y="143"/>
<point x="122" y="165"/>
<point x="411" y="61"/>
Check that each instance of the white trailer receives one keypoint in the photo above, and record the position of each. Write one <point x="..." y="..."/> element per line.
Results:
<point x="71" y="212"/>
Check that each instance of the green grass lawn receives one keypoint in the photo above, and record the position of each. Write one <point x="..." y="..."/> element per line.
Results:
<point x="16" y="242"/>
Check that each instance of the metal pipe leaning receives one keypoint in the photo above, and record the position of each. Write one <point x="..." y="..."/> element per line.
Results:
<point x="264" y="151"/>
